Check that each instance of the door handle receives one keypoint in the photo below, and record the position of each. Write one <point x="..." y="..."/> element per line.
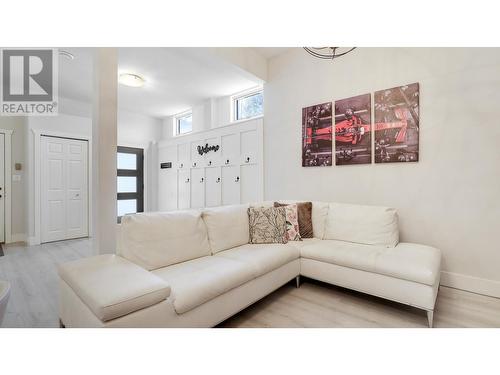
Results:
<point x="194" y="164"/>
<point x="237" y="179"/>
<point x="202" y="179"/>
<point x="182" y="165"/>
<point x="227" y="161"/>
<point x="247" y="160"/>
<point x="210" y="162"/>
<point x="187" y="180"/>
<point x="218" y="180"/>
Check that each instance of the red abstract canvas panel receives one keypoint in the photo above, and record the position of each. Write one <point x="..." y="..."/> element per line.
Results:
<point x="397" y="124"/>
<point x="317" y="135"/>
<point x="353" y="142"/>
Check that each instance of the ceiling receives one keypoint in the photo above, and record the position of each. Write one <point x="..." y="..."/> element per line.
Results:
<point x="176" y="78"/>
<point x="270" y="52"/>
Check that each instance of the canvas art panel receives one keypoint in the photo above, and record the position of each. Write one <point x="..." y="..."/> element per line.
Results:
<point x="317" y="135"/>
<point x="353" y="130"/>
<point x="397" y="124"/>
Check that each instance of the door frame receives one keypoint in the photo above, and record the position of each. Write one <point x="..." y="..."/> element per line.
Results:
<point x="8" y="183"/>
<point x="139" y="174"/>
<point x="37" y="179"/>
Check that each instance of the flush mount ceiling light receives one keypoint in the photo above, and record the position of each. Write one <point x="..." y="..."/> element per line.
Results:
<point x="131" y="80"/>
<point x="66" y="54"/>
<point x="328" y="53"/>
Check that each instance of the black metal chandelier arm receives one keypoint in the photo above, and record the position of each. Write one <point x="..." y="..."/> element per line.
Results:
<point x="327" y="56"/>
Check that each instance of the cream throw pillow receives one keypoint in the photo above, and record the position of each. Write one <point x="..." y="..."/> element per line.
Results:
<point x="267" y="225"/>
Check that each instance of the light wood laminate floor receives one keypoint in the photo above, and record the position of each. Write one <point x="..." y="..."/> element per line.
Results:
<point x="32" y="272"/>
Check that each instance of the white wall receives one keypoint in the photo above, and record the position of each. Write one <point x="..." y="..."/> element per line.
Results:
<point x="62" y="124"/>
<point x="134" y="130"/>
<point x="449" y="199"/>
<point x="19" y="188"/>
<point x="210" y="114"/>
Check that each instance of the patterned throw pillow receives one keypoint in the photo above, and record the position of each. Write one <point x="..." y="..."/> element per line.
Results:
<point x="304" y="210"/>
<point x="292" y="223"/>
<point x="267" y="225"/>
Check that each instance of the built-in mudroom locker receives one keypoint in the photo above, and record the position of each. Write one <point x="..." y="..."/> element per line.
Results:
<point x="216" y="167"/>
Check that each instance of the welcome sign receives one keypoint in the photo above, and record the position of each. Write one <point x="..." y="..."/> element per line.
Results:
<point x="206" y="149"/>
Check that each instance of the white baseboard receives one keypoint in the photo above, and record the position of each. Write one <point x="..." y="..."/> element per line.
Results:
<point x="32" y="241"/>
<point x="471" y="284"/>
<point x="18" y="237"/>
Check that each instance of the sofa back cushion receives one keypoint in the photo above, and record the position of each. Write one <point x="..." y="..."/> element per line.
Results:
<point x="160" y="239"/>
<point x="318" y="216"/>
<point x="369" y="225"/>
<point x="227" y="226"/>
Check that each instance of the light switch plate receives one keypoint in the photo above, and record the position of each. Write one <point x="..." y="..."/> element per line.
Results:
<point x="16" y="177"/>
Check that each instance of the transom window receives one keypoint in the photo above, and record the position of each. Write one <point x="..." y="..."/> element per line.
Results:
<point x="249" y="104"/>
<point x="130" y="181"/>
<point x="184" y="123"/>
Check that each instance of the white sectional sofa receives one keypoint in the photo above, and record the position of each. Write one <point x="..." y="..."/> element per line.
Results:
<point x="196" y="268"/>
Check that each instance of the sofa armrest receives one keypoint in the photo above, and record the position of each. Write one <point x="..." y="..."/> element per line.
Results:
<point x="112" y="286"/>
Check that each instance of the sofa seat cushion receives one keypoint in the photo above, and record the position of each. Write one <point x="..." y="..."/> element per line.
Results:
<point x="412" y="262"/>
<point x="262" y="258"/>
<point x="305" y="242"/>
<point x="111" y="286"/>
<point x="200" y="280"/>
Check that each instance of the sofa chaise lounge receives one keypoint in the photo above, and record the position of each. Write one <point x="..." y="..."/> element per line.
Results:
<point x="196" y="268"/>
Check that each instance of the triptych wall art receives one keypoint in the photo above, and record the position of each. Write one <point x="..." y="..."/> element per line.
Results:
<point x="396" y="127"/>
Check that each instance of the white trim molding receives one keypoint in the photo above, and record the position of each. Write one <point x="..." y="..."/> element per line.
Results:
<point x="471" y="284"/>
<point x="8" y="184"/>
<point x="18" y="237"/>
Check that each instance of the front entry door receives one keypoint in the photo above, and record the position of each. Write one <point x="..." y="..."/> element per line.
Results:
<point x="64" y="188"/>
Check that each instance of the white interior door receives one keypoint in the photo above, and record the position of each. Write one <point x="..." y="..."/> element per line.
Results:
<point x="2" y="188"/>
<point x="213" y="187"/>
<point x="64" y="188"/>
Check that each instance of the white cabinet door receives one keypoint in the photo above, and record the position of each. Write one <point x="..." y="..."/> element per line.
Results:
<point x="64" y="189"/>
<point x="197" y="188"/>
<point x="2" y="188"/>
<point x="183" y="189"/>
<point x="167" y="180"/>
<point x="213" y="183"/>
<point x="230" y="147"/>
<point x="76" y="189"/>
<point x="183" y="156"/>
<point x="251" y="184"/>
<point x="230" y="185"/>
<point x="213" y="155"/>
<point x="249" y="147"/>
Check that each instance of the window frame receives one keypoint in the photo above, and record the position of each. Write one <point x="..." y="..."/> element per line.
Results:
<point x="177" y="123"/>
<point x="243" y="95"/>
<point x="138" y="173"/>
